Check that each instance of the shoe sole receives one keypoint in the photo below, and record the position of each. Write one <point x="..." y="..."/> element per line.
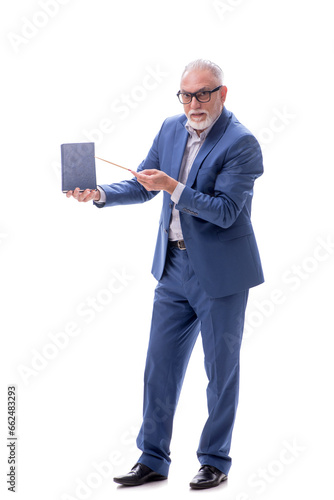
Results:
<point x="150" y="480"/>
<point x="205" y="486"/>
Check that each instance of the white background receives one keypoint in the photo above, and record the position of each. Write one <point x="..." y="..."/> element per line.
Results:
<point x="79" y="405"/>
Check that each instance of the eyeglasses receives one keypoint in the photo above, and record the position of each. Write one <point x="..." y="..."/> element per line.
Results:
<point x="202" y="96"/>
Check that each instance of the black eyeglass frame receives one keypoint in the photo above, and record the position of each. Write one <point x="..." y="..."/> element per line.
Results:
<point x="195" y="95"/>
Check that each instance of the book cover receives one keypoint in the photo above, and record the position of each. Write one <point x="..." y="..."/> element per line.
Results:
<point x="78" y="166"/>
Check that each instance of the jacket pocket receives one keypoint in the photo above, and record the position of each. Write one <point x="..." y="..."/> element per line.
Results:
<point x="235" y="232"/>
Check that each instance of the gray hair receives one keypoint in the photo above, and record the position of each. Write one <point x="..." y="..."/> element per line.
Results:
<point x="205" y="64"/>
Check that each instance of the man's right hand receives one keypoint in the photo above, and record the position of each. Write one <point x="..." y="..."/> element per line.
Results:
<point x="87" y="195"/>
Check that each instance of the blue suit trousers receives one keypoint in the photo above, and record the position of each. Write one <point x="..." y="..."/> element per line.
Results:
<point x="181" y="310"/>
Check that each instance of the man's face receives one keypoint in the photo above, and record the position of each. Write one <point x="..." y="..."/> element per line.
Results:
<point x="200" y="115"/>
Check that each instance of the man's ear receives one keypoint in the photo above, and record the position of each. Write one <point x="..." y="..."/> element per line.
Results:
<point x="223" y="91"/>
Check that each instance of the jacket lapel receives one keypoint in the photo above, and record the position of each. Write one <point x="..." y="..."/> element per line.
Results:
<point x="181" y="137"/>
<point x="213" y="137"/>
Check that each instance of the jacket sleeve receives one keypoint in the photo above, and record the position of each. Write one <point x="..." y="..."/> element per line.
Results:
<point x="233" y="185"/>
<point x="131" y="191"/>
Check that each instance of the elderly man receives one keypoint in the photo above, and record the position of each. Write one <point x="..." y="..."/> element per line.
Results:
<point x="205" y="261"/>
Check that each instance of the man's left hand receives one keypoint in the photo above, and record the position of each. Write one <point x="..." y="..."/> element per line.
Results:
<point x="155" y="180"/>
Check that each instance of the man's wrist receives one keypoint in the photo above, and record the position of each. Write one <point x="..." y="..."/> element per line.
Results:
<point x="171" y="185"/>
<point x="102" y="195"/>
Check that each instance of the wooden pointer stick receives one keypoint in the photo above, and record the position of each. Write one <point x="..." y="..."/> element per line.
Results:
<point x="112" y="163"/>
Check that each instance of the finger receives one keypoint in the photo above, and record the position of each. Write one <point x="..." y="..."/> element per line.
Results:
<point x="145" y="173"/>
<point x="141" y="177"/>
<point x="69" y="194"/>
<point x="148" y="186"/>
<point x="84" y="195"/>
<point x="142" y="181"/>
<point x="90" y="196"/>
<point x="149" y="171"/>
<point x="76" y="193"/>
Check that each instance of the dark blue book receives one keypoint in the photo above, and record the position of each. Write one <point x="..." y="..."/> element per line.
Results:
<point x="78" y="166"/>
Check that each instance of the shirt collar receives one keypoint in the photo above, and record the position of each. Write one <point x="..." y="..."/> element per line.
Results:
<point x="203" y="135"/>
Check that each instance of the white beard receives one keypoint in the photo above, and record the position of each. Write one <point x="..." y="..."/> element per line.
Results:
<point x="202" y="124"/>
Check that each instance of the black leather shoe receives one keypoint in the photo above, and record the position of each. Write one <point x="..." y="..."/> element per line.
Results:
<point x="207" y="477"/>
<point x="139" y="474"/>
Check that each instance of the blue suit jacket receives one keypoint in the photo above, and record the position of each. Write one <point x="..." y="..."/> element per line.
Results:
<point x="215" y="206"/>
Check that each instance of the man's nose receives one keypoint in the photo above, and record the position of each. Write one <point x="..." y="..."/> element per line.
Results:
<point x="194" y="103"/>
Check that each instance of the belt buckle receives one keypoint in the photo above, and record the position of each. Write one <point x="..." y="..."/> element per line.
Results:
<point x="181" y="245"/>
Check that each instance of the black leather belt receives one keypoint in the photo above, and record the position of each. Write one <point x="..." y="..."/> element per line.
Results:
<point x="178" y="243"/>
